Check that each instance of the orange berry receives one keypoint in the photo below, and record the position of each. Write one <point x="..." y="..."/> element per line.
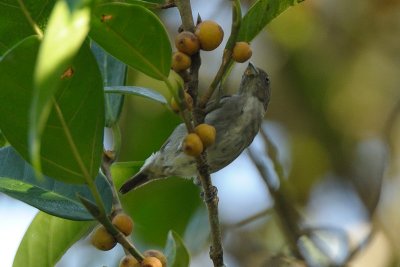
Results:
<point x="192" y="145"/>
<point x="210" y="35"/>
<point x="207" y="134"/>
<point x="129" y="261"/>
<point x="180" y="61"/>
<point x="124" y="223"/>
<point x="187" y="43"/>
<point x="158" y="254"/>
<point x="151" y="262"/>
<point x="241" y="52"/>
<point x="102" y="239"/>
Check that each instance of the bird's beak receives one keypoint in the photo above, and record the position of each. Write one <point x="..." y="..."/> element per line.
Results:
<point x="251" y="70"/>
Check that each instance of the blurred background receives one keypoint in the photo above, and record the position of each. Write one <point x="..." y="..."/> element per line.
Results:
<point x="329" y="190"/>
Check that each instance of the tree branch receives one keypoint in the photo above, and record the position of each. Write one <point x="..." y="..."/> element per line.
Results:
<point x="227" y="56"/>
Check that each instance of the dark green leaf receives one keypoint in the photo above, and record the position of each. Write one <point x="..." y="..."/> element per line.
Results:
<point x="81" y="104"/>
<point x="64" y="36"/>
<point x="139" y="91"/>
<point x="176" y="251"/>
<point x="135" y="36"/>
<point x="113" y="72"/>
<point x="14" y="23"/>
<point x="260" y="14"/>
<point x="47" y="239"/>
<point x="3" y="140"/>
<point x="17" y="180"/>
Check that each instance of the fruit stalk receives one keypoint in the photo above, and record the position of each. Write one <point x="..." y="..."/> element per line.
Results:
<point x="227" y="56"/>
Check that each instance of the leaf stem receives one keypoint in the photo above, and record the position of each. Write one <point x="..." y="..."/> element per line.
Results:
<point x="185" y="10"/>
<point x="105" y="221"/>
<point x="28" y="16"/>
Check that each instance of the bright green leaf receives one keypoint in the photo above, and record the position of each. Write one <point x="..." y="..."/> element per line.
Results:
<point x="260" y="14"/>
<point x="121" y="170"/>
<point x="139" y="91"/>
<point x="176" y="251"/>
<point x="47" y="239"/>
<point x="64" y="36"/>
<point x="81" y="104"/>
<point x="17" y="180"/>
<point x="134" y="35"/>
<point x="14" y="23"/>
<point x="113" y="72"/>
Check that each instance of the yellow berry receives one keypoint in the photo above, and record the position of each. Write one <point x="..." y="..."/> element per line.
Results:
<point x="192" y="145"/>
<point x="207" y="134"/>
<point x="129" y="261"/>
<point x="210" y="35"/>
<point x="124" y="223"/>
<point x="158" y="254"/>
<point x="102" y="239"/>
<point x="151" y="262"/>
<point x="187" y="43"/>
<point x="180" y="61"/>
<point x="189" y="103"/>
<point x="241" y="52"/>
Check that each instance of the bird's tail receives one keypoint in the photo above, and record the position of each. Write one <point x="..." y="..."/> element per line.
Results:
<point x="135" y="181"/>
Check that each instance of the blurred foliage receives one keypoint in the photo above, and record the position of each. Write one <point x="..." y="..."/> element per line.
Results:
<point x="333" y="67"/>
<point x="334" y="72"/>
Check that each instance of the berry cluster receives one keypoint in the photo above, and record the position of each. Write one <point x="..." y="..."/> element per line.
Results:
<point x="207" y="36"/>
<point x="103" y="240"/>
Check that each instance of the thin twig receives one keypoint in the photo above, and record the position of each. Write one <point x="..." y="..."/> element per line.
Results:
<point x="210" y="194"/>
<point x="211" y="199"/>
<point x="97" y="210"/>
<point x="105" y="167"/>
<point x="185" y="11"/>
<point x="250" y="219"/>
<point x="111" y="229"/>
<point x="28" y="16"/>
<point x="287" y="214"/>
<point x="227" y="56"/>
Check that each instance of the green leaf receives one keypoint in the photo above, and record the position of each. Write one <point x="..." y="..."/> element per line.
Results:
<point x="134" y="35"/>
<point x="113" y="72"/>
<point x="64" y="36"/>
<point x="135" y="90"/>
<point x="148" y="4"/>
<point x="81" y="103"/>
<point x="47" y="239"/>
<point x="14" y="22"/>
<point x="3" y="140"/>
<point x="176" y="251"/>
<point x="260" y="14"/>
<point x="17" y="180"/>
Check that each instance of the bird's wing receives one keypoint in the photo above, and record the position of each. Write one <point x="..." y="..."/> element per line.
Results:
<point x="216" y="103"/>
<point x="226" y="111"/>
<point x="178" y="134"/>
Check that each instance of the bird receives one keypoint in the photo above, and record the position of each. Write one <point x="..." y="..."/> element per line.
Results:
<point x="237" y="119"/>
